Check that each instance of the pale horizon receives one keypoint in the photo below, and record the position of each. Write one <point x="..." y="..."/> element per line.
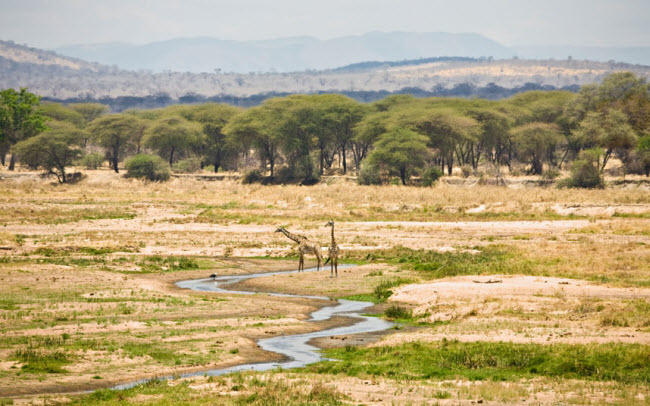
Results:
<point x="598" y="23"/>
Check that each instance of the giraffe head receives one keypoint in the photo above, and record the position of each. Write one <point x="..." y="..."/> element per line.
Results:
<point x="330" y="223"/>
<point x="279" y="230"/>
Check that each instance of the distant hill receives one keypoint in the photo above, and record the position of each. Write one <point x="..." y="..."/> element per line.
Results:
<point x="307" y="53"/>
<point x="286" y="54"/>
<point x="69" y="79"/>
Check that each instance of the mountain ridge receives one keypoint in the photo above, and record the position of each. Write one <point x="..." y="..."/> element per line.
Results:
<point x="294" y="54"/>
<point x="290" y="54"/>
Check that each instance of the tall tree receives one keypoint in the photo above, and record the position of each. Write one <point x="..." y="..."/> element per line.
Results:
<point x="400" y="152"/>
<point x="366" y="133"/>
<point x="341" y="115"/>
<point x="115" y="133"/>
<point x="257" y="127"/>
<point x="20" y="117"/>
<point x="59" y="112"/>
<point x="536" y="143"/>
<point x="172" y="136"/>
<point x="88" y="111"/>
<point x="608" y="130"/>
<point x="217" y="147"/>
<point x="446" y="129"/>
<point x="53" y="150"/>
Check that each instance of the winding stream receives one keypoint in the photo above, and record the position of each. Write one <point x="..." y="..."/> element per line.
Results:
<point x="294" y="347"/>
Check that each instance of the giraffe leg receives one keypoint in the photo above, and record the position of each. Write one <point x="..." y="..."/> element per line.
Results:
<point x="301" y="263"/>
<point x="336" y="266"/>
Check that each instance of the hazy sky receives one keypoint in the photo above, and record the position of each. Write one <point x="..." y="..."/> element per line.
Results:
<point x="51" y="23"/>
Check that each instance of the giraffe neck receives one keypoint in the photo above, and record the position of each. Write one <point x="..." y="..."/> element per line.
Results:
<point x="292" y="236"/>
<point x="333" y="241"/>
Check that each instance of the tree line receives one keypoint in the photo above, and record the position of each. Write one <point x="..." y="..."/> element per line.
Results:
<point x="298" y="138"/>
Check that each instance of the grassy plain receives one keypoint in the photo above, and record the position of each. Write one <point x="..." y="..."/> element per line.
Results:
<point x="87" y="294"/>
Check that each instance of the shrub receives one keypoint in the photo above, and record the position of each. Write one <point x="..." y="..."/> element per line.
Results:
<point x="149" y="167"/>
<point x="584" y="172"/>
<point x="396" y="312"/>
<point x="188" y="165"/>
<point x="254" y="176"/>
<point x="466" y="171"/>
<point x="369" y="175"/>
<point x="92" y="161"/>
<point x="431" y="176"/>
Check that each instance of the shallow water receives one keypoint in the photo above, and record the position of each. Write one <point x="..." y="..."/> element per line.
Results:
<point x="294" y="347"/>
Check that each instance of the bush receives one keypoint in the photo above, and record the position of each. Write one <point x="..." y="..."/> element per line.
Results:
<point x="584" y="172"/>
<point x="92" y="161"/>
<point x="466" y="171"/>
<point x="431" y="176"/>
<point x="149" y="167"/>
<point x="254" y="176"/>
<point x="396" y="312"/>
<point x="188" y="165"/>
<point x="369" y="175"/>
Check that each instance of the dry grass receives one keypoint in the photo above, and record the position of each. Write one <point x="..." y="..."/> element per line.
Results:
<point x="87" y="270"/>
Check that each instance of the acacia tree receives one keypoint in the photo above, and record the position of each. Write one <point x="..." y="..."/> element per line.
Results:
<point x="172" y="135"/>
<point x="116" y="134"/>
<point x="217" y="147"/>
<point x="608" y="130"/>
<point x="536" y="143"/>
<point x="445" y="128"/>
<point x="257" y="127"/>
<point x="366" y="133"/>
<point x="492" y="138"/>
<point x="301" y="129"/>
<point x="88" y="111"/>
<point x="52" y="150"/>
<point x="340" y="115"/>
<point x="400" y="151"/>
<point x="20" y="117"/>
<point x="59" y="112"/>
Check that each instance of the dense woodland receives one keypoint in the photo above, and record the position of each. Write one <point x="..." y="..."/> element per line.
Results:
<point x="298" y="138"/>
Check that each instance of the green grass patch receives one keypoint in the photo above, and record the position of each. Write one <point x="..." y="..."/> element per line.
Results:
<point x="493" y="259"/>
<point x="364" y="297"/>
<point x="626" y="363"/>
<point x="381" y="292"/>
<point x="39" y="361"/>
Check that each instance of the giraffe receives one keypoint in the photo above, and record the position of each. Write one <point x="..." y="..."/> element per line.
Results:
<point x="304" y="247"/>
<point x="334" y="253"/>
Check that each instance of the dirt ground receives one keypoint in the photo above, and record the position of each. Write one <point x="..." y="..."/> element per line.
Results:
<point x="89" y="269"/>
